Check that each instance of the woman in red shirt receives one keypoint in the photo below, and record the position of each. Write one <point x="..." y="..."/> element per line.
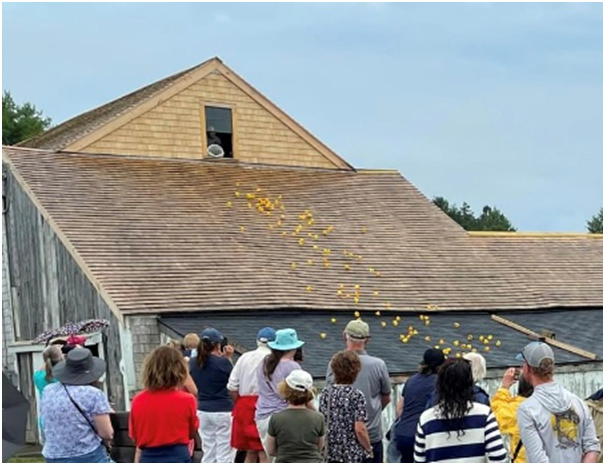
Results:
<point x="163" y="417"/>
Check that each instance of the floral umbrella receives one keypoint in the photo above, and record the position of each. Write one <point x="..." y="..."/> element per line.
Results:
<point x="82" y="327"/>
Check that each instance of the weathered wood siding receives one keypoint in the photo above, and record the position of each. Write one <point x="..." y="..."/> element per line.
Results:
<point x="174" y="129"/>
<point x="8" y="360"/>
<point x="48" y="288"/>
<point x="26" y="385"/>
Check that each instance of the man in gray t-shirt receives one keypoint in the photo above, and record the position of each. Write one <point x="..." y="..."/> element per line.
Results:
<point x="373" y="380"/>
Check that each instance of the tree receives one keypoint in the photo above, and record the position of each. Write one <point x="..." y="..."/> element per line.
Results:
<point x="490" y="219"/>
<point x="595" y="224"/>
<point x="20" y="122"/>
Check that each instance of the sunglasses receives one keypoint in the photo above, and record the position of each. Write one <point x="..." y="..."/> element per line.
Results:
<point x="523" y="356"/>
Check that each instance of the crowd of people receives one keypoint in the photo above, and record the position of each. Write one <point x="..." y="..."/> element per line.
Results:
<point x="266" y="405"/>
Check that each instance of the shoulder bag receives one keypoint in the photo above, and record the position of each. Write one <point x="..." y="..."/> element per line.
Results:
<point x="107" y="447"/>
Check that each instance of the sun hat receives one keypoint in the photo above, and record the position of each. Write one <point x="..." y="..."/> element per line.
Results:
<point x="79" y="368"/>
<point x="433" y="358"/>
<point x="300" y="380"/>
<point x="212" y="335"/>
<point x="535" y="353"/>
<point x="357" y="329"/>
<point x="285" y="339"/>
<point x="266" y="335"/>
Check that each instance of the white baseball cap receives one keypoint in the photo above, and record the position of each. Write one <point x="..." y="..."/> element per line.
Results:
<point x="300" y="380"/>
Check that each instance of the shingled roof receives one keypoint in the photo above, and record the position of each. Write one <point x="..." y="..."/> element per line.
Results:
<point x="170" y="235"/>
<point x="75" y="128"/>
<point x="445" y="328"/>
<point x="567" y="268"/>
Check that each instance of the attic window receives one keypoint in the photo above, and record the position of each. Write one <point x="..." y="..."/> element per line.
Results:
<point x="219" y="128"/>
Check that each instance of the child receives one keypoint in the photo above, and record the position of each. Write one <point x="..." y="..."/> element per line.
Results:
<point x="191" y="342"/>
<point x="296" y="434"/>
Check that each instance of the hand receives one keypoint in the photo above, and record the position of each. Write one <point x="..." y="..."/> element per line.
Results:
<point x="228" y="351"/>
<point x="509" y="378"/>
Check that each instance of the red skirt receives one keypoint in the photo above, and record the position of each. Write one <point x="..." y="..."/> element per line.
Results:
<point x="244" y="435"/>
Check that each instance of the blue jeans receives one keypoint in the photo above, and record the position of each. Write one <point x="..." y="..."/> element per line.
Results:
<point x="98" y="455"/>
<point x="405" y="444"/>
<point x="378" y="450"/>
<point x="166" y="454"/>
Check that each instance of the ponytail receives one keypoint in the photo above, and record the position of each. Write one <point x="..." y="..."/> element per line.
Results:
<point x="271" y="361"/>
<point x="204" y="349"/>
<point x="48" y="367"/>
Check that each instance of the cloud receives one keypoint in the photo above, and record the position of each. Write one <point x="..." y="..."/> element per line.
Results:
<point x="492" y="103"/>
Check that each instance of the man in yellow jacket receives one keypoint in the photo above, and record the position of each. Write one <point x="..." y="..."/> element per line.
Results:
<point x="505" y="405"/>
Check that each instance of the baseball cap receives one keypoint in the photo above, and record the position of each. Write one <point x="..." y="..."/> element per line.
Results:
<point x="299" y="380"/>
<point x="535" y="353"/>
<point x="212" y="335"/>
<point x="357" y="329"/>
<point x="266" y="334"/>
<point x="433" y="358"/>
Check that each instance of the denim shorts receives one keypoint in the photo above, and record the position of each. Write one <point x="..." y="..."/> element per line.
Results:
<point x="98" y="455"/>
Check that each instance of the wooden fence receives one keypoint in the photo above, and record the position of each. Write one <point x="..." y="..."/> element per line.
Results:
<point x="123" y="449"/>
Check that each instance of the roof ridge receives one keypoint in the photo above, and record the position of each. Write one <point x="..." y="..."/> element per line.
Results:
<point x="521" y="234"/>
<point x="122" y="104"/>
<point x="377" y="171"/>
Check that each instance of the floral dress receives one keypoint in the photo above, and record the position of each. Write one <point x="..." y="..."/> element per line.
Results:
<point x="347" y="405"/>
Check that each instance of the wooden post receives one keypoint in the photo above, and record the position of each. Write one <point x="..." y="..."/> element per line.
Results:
<point x="548" y="340"/>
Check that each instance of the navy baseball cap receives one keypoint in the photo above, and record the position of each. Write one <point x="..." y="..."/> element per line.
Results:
<point x="266" y="335"/>
<point x="212" y="335"/>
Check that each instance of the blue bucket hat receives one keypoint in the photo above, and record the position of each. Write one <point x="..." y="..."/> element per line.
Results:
<point x="212" y="335"/>
<point x="286" y="339"/>
<point x="266" y="335"/>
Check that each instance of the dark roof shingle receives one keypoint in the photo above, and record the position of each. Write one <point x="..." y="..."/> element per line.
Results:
<point x="401" y="358"/>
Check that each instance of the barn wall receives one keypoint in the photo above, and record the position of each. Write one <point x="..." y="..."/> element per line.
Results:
<point x="27" y="388"/>
<point x="48" y="288"/>
<point x="8" y="336"/>
<point x="175" y="129"/>
<point x="145" y="334"/>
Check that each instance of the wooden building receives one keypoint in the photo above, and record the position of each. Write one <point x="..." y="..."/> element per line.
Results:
<point x="120" y="214"/>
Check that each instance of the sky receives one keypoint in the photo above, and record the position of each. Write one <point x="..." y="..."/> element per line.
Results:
<point x="484" y="103"/>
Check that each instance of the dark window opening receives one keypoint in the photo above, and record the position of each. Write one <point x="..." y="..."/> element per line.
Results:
<point x="219" y="128"/>
<point x="94" y="348"/>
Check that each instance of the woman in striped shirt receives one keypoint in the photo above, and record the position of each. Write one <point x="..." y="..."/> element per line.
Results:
<point x="458" y="429"/>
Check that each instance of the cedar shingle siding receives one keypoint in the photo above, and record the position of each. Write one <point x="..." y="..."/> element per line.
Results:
<point x="165" y="119"/>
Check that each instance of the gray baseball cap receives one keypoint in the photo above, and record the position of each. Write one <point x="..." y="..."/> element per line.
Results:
<point x="535" y="353"/>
